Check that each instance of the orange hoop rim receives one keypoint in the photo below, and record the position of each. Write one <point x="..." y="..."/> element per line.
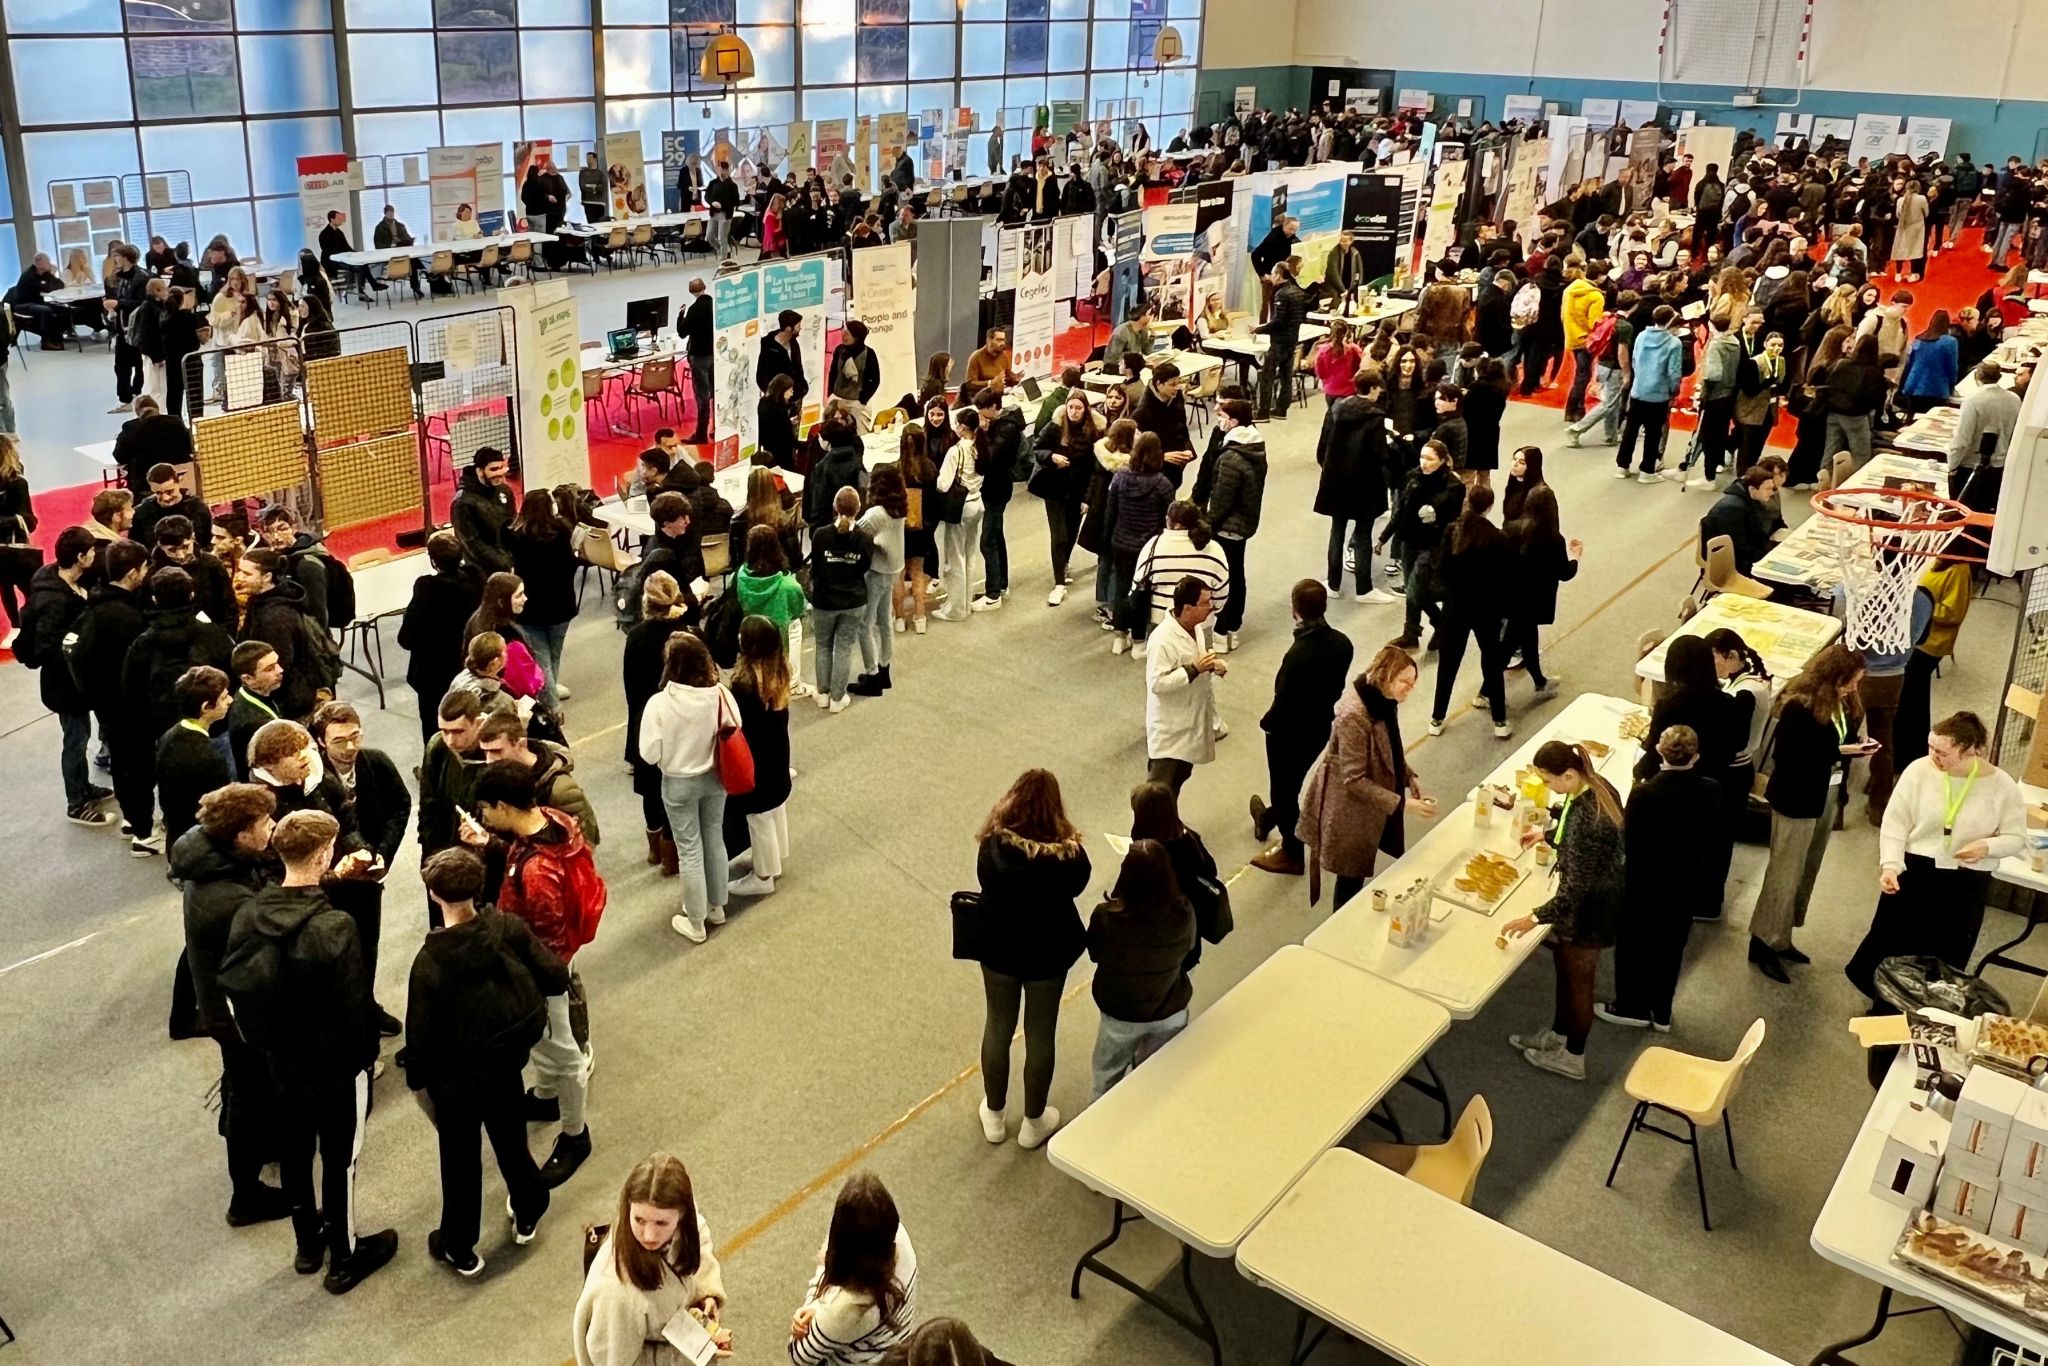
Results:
<point x="1966" y="522"/>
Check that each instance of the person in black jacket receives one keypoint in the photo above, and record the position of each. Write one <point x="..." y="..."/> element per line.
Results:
<point x="1430" y="501"/>
<point x="1543" y="559"/>
<point x="125" y="291"/>
<point x="782" y="353"/>
<point x="1734" y="515"/>
<point x="843" y="465"/>
<point x="113" y="620"/>
<point x="257" y="675"/>
<point x="482" y="510"/>
<point x="168" y="498"/>
<point x="173" y="640"/>
<point x="56" y="600"/>
<point x="1669" y="874"/>
<point x="277" y="616"/>
<point x="191" y="759"/>
<point x="213" y="588"/>
<point x="150" y="439"/>
<point x="856" y="372"/>
<point x="477" y="1005"/>
<point x="775" y="424"/>
<point x="294" y="973"/>
<point x="676" y="548"/>
<point x="1162" y="411"/>
<point x="218" y="865"/>
<point x="1297" y="725"/>
<point x="996" y="456"/>
<point x="1352" y="488"/>
<point x="1283" y="329"/>
<point x="1276" y="246"/>
<point x="694" y="329"/>
<point x="1140" y="938"/>
<point x="840" y="556"/>
<point x="431" y="629"/>
<point x="1819" y="728"/>
<point x="1030" y="866"/>
<point x="383" y="806"/>
<point x="305" y="559"/>
<point x="546" y="563"/>
<point x="1478" y="565"/>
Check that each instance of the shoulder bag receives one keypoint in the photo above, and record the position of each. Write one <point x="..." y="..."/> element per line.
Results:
<point x="735" y="760"/>
<point x="970" y="927"/>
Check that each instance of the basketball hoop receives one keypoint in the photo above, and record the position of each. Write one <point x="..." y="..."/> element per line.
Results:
<point x="1885" y="538"/>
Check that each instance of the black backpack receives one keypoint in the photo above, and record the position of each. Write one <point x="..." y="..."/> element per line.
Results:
<point x="319" y="654"/>
<point x="256" y="976"/>
<point x="722" y="630"/>
<point x="341" y="586"/>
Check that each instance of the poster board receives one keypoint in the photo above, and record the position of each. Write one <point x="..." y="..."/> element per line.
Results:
<point x="831" y="143"/>
<point x="885" y="298"/>
<point x="1644" y="145"/>
<point x="1601" y="114"/>
<point x="1526" y="108"/>
<point x="797" y="139"/>
<point x="863" y="155"/>
<point x="1823" y="129"/>
<point x="893" y="134"/>
<point x="1244" y="99"/>
<point x="1874" y="137"/>
<point x="1420" y="100"/>
<point x="554" y="445"/>
<point x="1636" y="113"/>
<point x="249" y="454"/>
<point x="736" y="331"/>
<point x="1445" y="193"/>
<point x="1709" y="145"/>
<point x="1032" y="328"/>
<point x="1528" y="179"/>
<point x="625" y="173"/>
<point x="679" y="150"/>
<point x="1372" y="213"/>
<point x="451" y="183"/>
<point x="323" y="188"/>
<point x="366" y="480"/>
<point x="1926" y="137"/>
<point x="799" y="286"/>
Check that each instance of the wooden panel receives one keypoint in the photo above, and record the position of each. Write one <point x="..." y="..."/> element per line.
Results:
<point x="250" y="454"/>
<point x="367" y="394"/>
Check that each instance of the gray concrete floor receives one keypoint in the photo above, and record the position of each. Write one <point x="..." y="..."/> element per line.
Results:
<point x="826" y="1028"/>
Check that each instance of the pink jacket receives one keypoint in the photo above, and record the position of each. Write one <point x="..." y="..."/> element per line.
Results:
<point x="1337" y="368"/>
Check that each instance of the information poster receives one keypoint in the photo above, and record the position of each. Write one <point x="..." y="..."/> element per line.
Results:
<point x="798" y="138"/>
<point x="625" y="173"/>
<point x="451" y="183"/>
<point x="1643" y="150"/>
<point x="885" y="298"/>
<point x="1169" y="232"/>
<point x="863" y="155"/>
<point x="1031" y="343"/>
<point x="736" y="333"/>
<point x="1926" y="137"/>
<point x="490" y="186"/>
<point x="323" y="188"/>
<point x="765" y="148"/>
<point x="892" y="132"/>
<point x="1126" y="232"/>
<point x="1528" y="174"/>
<point x="799" y="285"/>
<point x="1875" y="136"/>
<point x="679" y="150"/>
<point x="1823" y="129"/>
<point x="554" y="447"/>
<point x="1442" y="226"/>
<point x="1372" y="213"/>
<point x="831" y="142"/>
<point x="1600" y="114"/>
<point x="1636" y="113"/>
<point x="1521" y="108"/>
<point x="1244" y="99"/>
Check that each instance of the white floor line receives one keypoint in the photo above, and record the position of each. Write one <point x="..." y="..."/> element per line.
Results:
<point x="51" y="953"/>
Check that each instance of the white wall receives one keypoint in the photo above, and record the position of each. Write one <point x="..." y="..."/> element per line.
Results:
<point x="1906" y="47"/>
<point x="1248" y="33"/>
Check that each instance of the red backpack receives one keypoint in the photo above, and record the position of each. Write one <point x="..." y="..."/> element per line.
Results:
<point x="564" y="922"/>
<point x="1600" y="340"/>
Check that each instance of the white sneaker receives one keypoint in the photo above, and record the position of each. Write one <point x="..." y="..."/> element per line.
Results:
<point x="715" y="915"/>
<point x="1621" y="474"/>
<point x="682" y="926"/>
<point x="740" y="864"/>
<point x="919" y="626"/>
<point x="562" y="691"/>
<point x="985" y="604"/>
<point x="1057" y="596"/>
<point x="824" y="699"/>
<point x="1119" y="642"/>
<point x="1542" y="1038"/>
<point x="1607" y="1012"/>
<point x="748" y="886"/>
<point x="902" y="625"/>
<point x="1571" y="1066"/>
<point x="1221" y="730"/>
<point x="1377" y="595"/>
<point x="1571" y="437"/>
<point x="1701" y="483"/>
<point x="838" y="704"/>
<point x="993" y="1123"/>
<point x="1225" y="642"/>
<point x="801" y="689"/>
<point x="1033" y="1132"/>
<point x="1436" y="728"/>
<point x="1503" y="731"/>
<point x="1649" y="479"/>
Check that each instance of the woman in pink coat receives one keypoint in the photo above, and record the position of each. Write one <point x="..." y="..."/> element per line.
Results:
<point x="1355" y="797"/>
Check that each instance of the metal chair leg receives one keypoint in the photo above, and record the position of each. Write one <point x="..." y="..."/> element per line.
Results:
<point x="1728" y="1133"/>
<point x="1634" y="1121"/>
<point x="1699" y="1176"/>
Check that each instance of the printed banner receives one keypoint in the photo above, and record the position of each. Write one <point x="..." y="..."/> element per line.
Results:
<point x="1526" y="108"/>
<point x="1372" y="212"/>
<point x="892" y="132"/>
<point x="863" y="155"/>
<point x="554" y="447"/>
<point x="800" y="285"/>
<point x="885" y="298"/>
<point x="625" y="173"/>
<point x="1244" y="99"/>
<point x="1031" y="339"/>
<point x="736" y="332"/>
<point x="1644" y="149"/>
<point x="1875" y="136"/>
<point x="1926" y="137"/>
<point x="1319" y="204"/>
<point x="798" y="137"/>
<point x="1169" y="232"/>
<point x="1126" y="233"/>
<point x="490" y="186"/>
<point x="451" y="183"/>
<point x="323" y="188"/>
<point x="678" y="151"/>
<point x="831" y="142"/>
<point x="765" y="149"/>
<point x="1442" y="226"/>
<point x="1528" y="174"/>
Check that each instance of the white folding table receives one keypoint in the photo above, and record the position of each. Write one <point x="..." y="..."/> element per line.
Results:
<point x="1488" y="1294"/>
<point x="1807" y="559"/>
<point x="1210" y="1132"/>
<point x="1786" y="637"/>
<point x="382" y="590"/>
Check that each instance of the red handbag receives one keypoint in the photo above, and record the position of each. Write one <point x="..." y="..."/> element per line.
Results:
<point x="734" y="758"/>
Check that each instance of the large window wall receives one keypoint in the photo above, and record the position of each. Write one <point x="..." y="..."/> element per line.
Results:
<point x="231" y="92"/>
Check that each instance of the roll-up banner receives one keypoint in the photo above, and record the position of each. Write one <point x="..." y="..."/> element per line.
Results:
<point x="736" y="331"/>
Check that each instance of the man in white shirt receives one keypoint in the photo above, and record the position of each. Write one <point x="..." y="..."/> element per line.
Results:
<point x="1984" y="428"/>
<point x="1180" y="688"/>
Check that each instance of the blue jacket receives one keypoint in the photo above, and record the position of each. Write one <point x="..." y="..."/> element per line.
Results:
<point x="1931" y="368"/>
<point x="1659" y="364"/>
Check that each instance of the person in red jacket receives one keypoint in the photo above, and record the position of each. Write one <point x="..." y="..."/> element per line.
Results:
<point x="550" y="882"/>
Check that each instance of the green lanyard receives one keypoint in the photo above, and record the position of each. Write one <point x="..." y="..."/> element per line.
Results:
<point x="253" y="700"/>
<point x="1564" y="814"/>
<point x="1841" y="727"/>
<point x="195" y="727"/>
<point x="1952" y="804"/>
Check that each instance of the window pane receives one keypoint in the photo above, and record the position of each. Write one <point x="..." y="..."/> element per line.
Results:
<point x="562" y="122"/>
<point x="232" y="221"/>
<point x="64" y="16"/>
<point x="829" y="104"/>
<point x="774" y="57"/>
<point x="1112" y="9"/>
<point x="937" y="11"/>
<point x="1112" y="44"/>
<point x="489" y="123"/>
<point x="193" y="16"/>
<point x="770" y="108"/>
<point x="884" y="11"/>
<point x="879" y="99"/>
<point x="1105" y="85"/>
<point x="1025" y="50"/>
<point x="389" y="14"/>
<point x="984" y="9"/>
<point x="275" y="146"/>
<point x="67" y="156"/>
<point x="473" y="13"/>
<point x="211" y="153"/>
<point x="700" y="12"/>
<point x="766" y="11"/>
<point x="1066" y="88"/>
<point x="931" y="51"/>
<point x="1022" y="97"/>
<point x="884" y="51"/>
<point x="984" y="98"/>
<point x="648" y="117"/>
<point x="981" y="50"/>
<point x="939" y="95"/>
<point x="1070" y="9"/>
<point x="479" y="67"/>
<point x="283" y="14"/>
<point x="635" y="61"/>
<point x="555" y="13"/>
<point x="68" y="80"/>
<point x="1028" y="9"/>
<point x="286" y="73"/>
<point x="1184" y="9"/>
<point x="555" y="65"/>
<point x="279" y="232"/>
<point x="1067" y="50"/>
<point x="828" y="54"/>
<point x="392" y="135"/>
<point x="184" y="77"/>
<point x="392" y="68"/>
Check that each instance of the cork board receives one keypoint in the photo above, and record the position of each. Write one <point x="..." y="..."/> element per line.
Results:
<point x="369" y="479"/>
<point x="367" y="394"/>
<point x="251" y="453"/>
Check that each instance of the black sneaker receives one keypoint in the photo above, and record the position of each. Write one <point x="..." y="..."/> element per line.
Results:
<point x="524" y="1233"/>
<point x="388" y="1024"/>
<point x="569" y="1154"/>
<point x="264" y="1204"/>
<point x="312" y="1251"/>
<point x="95" y="794"/>
<point x="464" y="1266"/>
<point x="371" y="1253"/>
<point x="541" y="1109"/>
<point x="1435" y="636"/>
<point x="90" y="814"/>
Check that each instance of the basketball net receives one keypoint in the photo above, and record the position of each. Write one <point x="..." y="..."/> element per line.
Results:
<point x="1881" y="566"/>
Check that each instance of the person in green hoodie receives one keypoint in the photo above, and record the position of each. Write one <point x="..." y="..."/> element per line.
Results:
<point x="767" y="588"/>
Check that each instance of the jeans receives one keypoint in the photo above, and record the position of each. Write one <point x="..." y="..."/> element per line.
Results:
<point x="701" y="394"/>
<point x="1417" y="566"/>
<point x="696" y="813"/>
<point x="1847" y="433"/>
<point x="1607" y="412"/>
<point x="877" y="629"/>
<point x="1582" y="372"/>
<point x="494" y="1104"/>
<point x="1041" y="1008"/>
<point x="1121" y="1045"/>
<point x="720" y="233"/>
<point x="546" y="643"/>
<point x="1361" y="553"/>
<point x="1063" y="524"/>
<point x="995" y="551"/>
<point x="1648" y="418"/>
<point x="836" y="629"/>
<point x="1232" y="615"/>
<point x="71" y="760"/>
<point x="2003" y="242"/>
<point x="960" y="553"/>
<point x="1880" y="694"/>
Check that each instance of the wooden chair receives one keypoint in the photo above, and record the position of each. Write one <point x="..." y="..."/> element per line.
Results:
<point x="519" y="256"/>
<point x="1696" y="1090"/>
<point x="599" y="553"/>
<point x="890" y="417"/>
<point x="397" y="270"/>
<point x="593" y="392"/>
<point x="717" y="556"/>
<point x="655" y="383"/>
<point x="640" y="242"/>
<point x="1841" y="467"/>
<point x="1646" y="691"/>
<point x="441" y="266"/>
<point x="614" y="245"/>
<point x="1723" y="577"/>
<point x="478" y="273"/>
<point x="1451" y="1169"/>
<point x="694" y="238"/>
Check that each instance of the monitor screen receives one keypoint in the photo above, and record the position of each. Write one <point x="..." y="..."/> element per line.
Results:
<point x="647" y="315"/>
<point x="622" y="342"/>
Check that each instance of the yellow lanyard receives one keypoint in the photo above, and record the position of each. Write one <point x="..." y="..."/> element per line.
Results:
<point x="1564" y="814"/>
<point x="1841" y="727"/>
<point x="253" y="700"/>
<point x="1952" y="804"/>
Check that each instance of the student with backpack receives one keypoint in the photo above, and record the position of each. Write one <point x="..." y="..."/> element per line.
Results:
<point x="477" y="1006"/>
<point x="295" y="981"/>
<point x="1610" y="344"/>
<point x="551" y="882"/>
<point x="279" y="616"/>
<point x="56" y="600"/>
<point x="330" y="591"/>
<point x="112" y="622"/>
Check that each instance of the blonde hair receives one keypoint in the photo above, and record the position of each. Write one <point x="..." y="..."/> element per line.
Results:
<point x="10" y="456"/>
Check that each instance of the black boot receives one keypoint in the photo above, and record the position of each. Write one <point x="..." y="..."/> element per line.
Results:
<point x="1262" y="825"/>
<point x="870" y="685"/>
<point x="1792" y="954"/>
<point x="312" y="1246"/>
<point x="570" y="1151"/>
<point x="1767" y="960"/>
<point x="372" y="1251"/>
<point x="257" y="1205"/>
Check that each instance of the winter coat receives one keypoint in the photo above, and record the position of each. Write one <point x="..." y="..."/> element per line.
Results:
<point x="842" y="466"/>
<point x="306" y="561"/>
<point x="1308" y="686"/>
<point x="1583" y="304"/>
<point x="1483" y="408"/>
<point x="1240" y="484"/>
<point x="215" y="879"/>
<point x="277" y="617"/>
<point x="479" y="517"/>
<point x="1805" y="751"/>
<point x="1931" y="368"/>
<point x="51" y="614"/>
<point x="382" y="805"/>
<point x="860" y="362"/>
<point x="112" y="623"/>
<point x="1586" y="906"/>
<point x="327" y="1023"/>
<point x="640" y="669"/>
<point x="447" y="780"/>
<point x="174" y="640"/>
<point x="1734" y="515"/>
<point x="1352" y="451"/>
<point x="476" y="1002"/>
<point x="547" y="567"/>
<point x="1477" y="568"/>
<point x="1140" y="955"/>
<point x="1067" y="486"/>
<point x="431" y="630"/>
<point x="1428" y="504"/>
<point x="1541" y="563"/>
<point x="1028" y="893"/>
<point x="1002" y="442"/>
<point x="1909" y="236"/>
<point x="1137" y="509"/>
<point x="538" y="886"/>
<point x="1670" y="871"/>
<point x="1352" y="799"/>
<point x="555" y="784"/>
<point x="189" y="764"/>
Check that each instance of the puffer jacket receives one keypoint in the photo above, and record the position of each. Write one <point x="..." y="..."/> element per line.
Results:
<point x="175" y="640"/>
<point x="277" y="617"/>
<point x="1240" y="484"/>
<point x="215" y="879"/>
<point x="51" y="614"/>
<point x="842" y="466"/>
<point x="555" y="783"/>
<point x="1352" y="451"/>
<point x="1028" y="899"/>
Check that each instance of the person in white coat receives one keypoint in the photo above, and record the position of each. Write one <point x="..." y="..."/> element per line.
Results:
<point x="1181" y="670"/>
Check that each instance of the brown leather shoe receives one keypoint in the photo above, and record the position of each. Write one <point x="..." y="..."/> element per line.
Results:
<point x="1276" y="860"/>
<point x="668" y="855"/>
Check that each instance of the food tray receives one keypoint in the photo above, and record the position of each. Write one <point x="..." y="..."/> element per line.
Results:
<point x="1444" y="886"/>
<point x="1985" y="1267"/>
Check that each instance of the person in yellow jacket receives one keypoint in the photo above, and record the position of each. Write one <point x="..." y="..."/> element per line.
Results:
<point x="1947" y="581"/>
<point x="1583" y="305"/>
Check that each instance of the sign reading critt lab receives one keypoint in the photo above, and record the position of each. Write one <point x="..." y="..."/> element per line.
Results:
<point x="323" y="188"/>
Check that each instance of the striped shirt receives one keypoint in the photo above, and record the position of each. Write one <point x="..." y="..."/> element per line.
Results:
<point x="1170" y="557"/>
<point x="845" y="1329"/>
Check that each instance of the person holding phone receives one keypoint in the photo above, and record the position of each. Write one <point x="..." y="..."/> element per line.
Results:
<point x="1820" y="720"/>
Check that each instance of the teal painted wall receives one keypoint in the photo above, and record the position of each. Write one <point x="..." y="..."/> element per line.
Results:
<point x="1280" y="87"/>
<point x="1987" y="129"/>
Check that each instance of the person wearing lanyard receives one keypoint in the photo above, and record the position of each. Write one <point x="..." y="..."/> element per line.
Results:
<point x="1952" y="815"/>
<point x="256" y="667"/>
<point x="1585" y="909"/>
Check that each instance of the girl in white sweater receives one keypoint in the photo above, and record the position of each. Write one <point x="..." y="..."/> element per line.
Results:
<point x="960" y="542"/>
<point x="679" y="732"/>
<point x="655" y="1266"/>
<point x="863" y="1298"/>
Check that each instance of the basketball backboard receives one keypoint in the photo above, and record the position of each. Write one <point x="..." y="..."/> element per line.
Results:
<point x="2019" y="541"/>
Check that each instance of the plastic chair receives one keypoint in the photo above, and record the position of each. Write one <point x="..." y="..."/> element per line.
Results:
<point x="1723" y="577"/>
<point x="1696" y="1090"/>
<point x="1207" y="385"/>
<point x="519" y="256"/>
<point x="694" y="238"/>
<point x="478" y="274"/>
<point x="717" y="556"/>
<point x="614" y="243"/>
<point x="890" y="417"/>
<point x="441" y="266"/>
<point x="598" y="552"/>
<point x="593" y="392"/>
<point x="1841" y="467"/>
<point x="641" y="243"/>
<point x="1451" y="1169"/>
<point x="397" y="270"/>
<point x="656" y="383"/>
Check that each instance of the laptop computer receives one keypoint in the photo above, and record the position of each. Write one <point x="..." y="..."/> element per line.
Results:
<point x="1031" y="389"/>
<point x="621" y="343"/>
